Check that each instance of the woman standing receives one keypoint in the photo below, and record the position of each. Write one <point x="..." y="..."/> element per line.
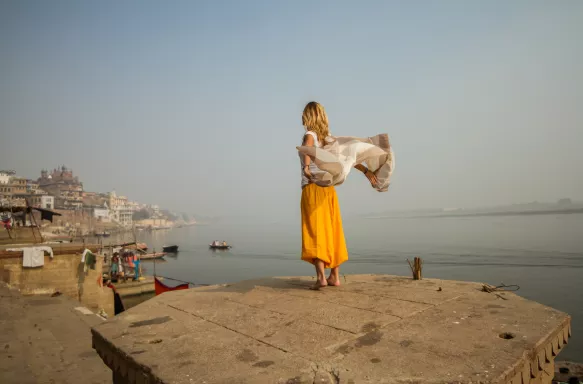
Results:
<point x="323" y="243"/>
<point x="114" y="266"/>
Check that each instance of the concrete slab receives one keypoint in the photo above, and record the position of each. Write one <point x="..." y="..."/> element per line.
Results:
<point x="46" y="340"/>
<point x="372" y="329"/>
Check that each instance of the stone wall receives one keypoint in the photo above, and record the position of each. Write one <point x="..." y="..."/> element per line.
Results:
<point x="154" y="222"/>
<point x="63" y="273"/>
<point x="80" y="222"/>
<point x="20" y="235"/>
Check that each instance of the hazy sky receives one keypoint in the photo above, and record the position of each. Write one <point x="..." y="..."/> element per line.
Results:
<point x="197" y="105"/>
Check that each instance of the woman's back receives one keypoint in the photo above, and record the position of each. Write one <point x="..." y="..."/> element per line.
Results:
<point x="312" y="167"/>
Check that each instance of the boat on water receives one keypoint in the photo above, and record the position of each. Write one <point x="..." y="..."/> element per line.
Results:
<point x="153" y="256"/>
<point x="139" y="246"/>
<point x="170" y="248"/>
<point x="219" y="245"/>
<point x="102" y="234"/>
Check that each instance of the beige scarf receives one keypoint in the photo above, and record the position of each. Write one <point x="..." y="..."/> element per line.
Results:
<point x="341" y="153"/>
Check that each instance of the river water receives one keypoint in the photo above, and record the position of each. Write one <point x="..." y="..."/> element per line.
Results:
<point x="541" y="253"/>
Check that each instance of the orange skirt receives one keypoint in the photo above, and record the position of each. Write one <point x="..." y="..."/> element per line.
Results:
<point x="322" y="234"/>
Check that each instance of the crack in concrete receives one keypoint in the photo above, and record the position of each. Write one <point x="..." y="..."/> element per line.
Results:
<point x="232" y="330"/>
<point x="294" y="318"/>
<point x="349" y="306"/>
<point x="357" y="335"/>
<point x="362" y="309"/>
<point x="333" y="373"/>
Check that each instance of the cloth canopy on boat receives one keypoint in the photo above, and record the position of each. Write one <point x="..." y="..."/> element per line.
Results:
<point x="160" y="287"/>
<point x="341" y="153"/>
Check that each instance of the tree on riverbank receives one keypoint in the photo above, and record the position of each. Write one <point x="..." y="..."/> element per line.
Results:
<point x="142" y="214"/>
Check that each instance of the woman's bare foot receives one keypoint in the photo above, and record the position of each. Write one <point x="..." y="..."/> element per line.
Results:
<point x="333" y="281"/>
<point x="319" y="284"/>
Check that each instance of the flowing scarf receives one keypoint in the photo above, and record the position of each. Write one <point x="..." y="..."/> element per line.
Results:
<point x="341" y="153"/>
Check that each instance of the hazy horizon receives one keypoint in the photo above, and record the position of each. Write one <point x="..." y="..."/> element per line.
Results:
<point x="196" y="106"/>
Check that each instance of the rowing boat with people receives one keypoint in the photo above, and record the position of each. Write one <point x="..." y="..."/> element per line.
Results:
<point x="219" y="245"/>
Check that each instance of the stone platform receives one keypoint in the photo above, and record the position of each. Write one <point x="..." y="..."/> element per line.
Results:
<point x="372" y="329"/>
<point x="46" y="339"/>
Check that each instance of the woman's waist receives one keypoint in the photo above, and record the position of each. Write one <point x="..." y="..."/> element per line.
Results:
<point x="312" y="184"/>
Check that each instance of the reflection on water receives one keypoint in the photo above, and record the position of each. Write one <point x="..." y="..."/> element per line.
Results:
<point x="542" y="254"/>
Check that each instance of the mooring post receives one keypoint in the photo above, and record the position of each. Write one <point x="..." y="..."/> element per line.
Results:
<point x="416" y="268"/>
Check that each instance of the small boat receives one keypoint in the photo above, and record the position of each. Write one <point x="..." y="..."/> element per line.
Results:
<point x="103" y="234"/>
<point x="138" y="246"/>
<point x="152" y="256"/>
<point x="219" y="245"/>
<point x="170" y="248"/>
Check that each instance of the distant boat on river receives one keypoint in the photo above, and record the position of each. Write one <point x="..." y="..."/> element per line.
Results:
<point x="152" y="256"/>
<point x="170" y="248"/>
<point x="219" y="245"/>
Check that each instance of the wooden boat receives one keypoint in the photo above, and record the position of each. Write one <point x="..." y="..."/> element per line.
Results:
<point x="170" y="248"/>
<point x="219" y="246"/>
<point x="138" y="246"/>
<point x="152" y="256"/>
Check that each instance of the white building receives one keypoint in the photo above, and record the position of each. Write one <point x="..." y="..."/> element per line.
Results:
<point x="121" y="210"/>
<point x="102" y="213"/>
<point x="47" y="202"/>
<point x="42" y="201"/>
<point x="123" y="215"/>
<point x="126" y="216"/>
<point x="155" y="210"/>
<point x="5" y="177"/>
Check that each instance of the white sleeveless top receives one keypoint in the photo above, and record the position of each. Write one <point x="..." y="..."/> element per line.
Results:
<point x="312" y="167"/>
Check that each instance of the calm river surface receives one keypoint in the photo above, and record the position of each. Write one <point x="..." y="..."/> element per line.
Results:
<point x="541" y="253"/>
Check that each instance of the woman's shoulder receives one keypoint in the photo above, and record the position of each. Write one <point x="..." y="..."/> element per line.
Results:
<point x="314" y="136"/>
<point x="312" y="133"/>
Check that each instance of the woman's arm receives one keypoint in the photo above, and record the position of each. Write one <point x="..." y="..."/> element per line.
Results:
<point x="369" y="175"/>
<point x="308" y="142"/>
<point x="361" y="168"/>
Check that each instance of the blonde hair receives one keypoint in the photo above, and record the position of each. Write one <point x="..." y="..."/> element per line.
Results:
<point x="315" y="119"/>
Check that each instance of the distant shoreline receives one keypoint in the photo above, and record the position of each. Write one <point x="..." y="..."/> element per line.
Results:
<point x="478" y="214"/>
